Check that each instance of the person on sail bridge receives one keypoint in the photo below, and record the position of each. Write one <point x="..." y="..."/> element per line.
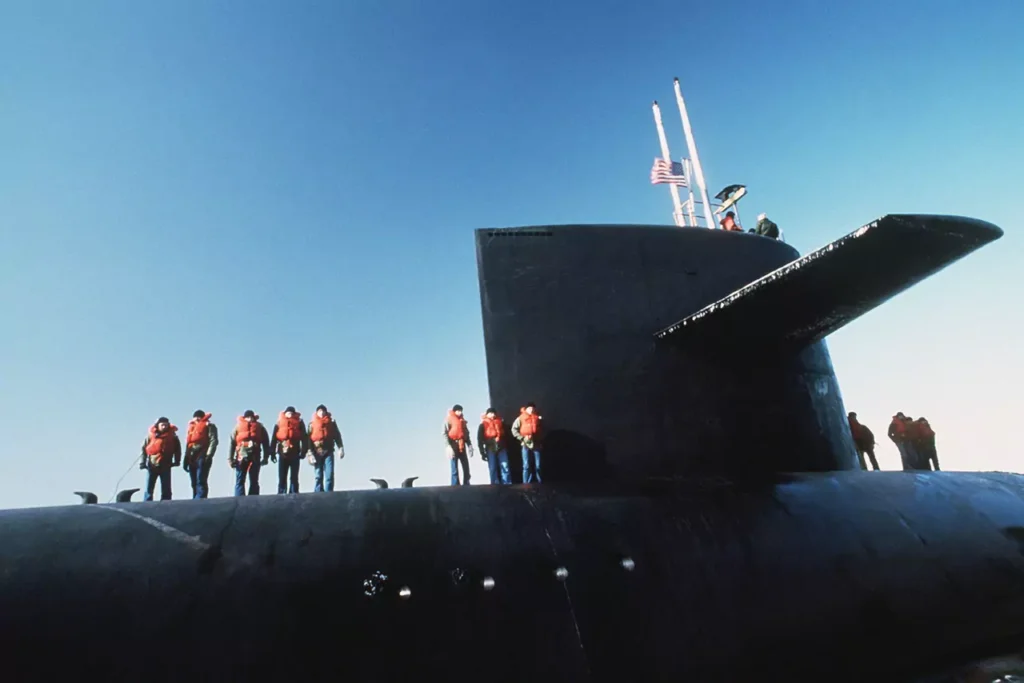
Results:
<point x="765" y="227"/>
<point x="729" y="222"/>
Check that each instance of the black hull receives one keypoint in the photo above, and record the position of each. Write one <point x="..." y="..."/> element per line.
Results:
<point x="856" y="576"/>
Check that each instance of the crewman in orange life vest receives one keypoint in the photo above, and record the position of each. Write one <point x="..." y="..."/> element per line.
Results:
<point x="160" y="452"/>
<point x="457" y="444"/>
<point x="200" y="446"/>
<point x="490" y="436"/>
<point x="324" y="435"/>
<point x="526" y="429"/>
<point x="250" y="449"/>
<point x="287" y="448"/>
<point x="924" y="442"/>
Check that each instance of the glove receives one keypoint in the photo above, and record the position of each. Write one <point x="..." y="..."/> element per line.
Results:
<point x="175" y="463"/>
<point x="186" y="467"/>
<point x="448" y="450"/>
<point x="264" y="461"/>
<point x="483" y="455"/>
<point x="311" y="459"/>
<point x="232" y="464"/>
<point x="341" y="453"/>
<point x="273" y="458"/>
<point x="143" y="465"/>
<point x="469" y="450"/>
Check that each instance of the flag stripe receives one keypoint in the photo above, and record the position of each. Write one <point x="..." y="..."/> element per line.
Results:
<point x="665" y="172"/>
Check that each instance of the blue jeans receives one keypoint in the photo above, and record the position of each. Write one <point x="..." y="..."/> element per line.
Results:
<point x="531" y="475"/>
<point x="199" y="474"/>
<point x="252" y="468"/>
<point x="497" y="467"/>
<point x="288" y="466"/>
<point x="464" y="459"/>
<point x="909" y="456"/>
<point x="323" y="473"/>
<point x="164" y="475"/>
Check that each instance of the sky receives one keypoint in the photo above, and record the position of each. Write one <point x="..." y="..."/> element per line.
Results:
<point x="234" y="204"/>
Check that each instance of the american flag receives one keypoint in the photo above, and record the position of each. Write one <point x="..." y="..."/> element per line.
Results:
<point x="668" y="172"/>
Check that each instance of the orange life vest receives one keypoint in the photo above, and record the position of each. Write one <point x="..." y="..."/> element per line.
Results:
<point x="320" y="428"/>
<point x="493" y="426"/>
<point x="528" y="423"/>
<point x="198" y="431"/>
<point x="160" y="444"/>
<point x="899" y="427"/>
<point x="289" y="429"/>
<point x="456" y="427"/>
<point x="247" y="434"/>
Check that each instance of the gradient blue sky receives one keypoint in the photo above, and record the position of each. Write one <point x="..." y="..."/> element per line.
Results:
<point x="235" y="204"/>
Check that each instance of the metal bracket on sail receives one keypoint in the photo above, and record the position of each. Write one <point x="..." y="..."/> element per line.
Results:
<point x="815" y="295"/>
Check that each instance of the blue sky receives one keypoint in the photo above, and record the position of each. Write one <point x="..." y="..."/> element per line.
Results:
<point x="249" y="204"/>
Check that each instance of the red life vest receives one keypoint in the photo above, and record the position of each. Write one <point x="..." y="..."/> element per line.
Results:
<point x="160" y="444"/>
<point x="493" y="426"/>
<point x="528" y="423"/>
<point x="199" y="431"/>
<point x="899" y="427"/>
<point x="856" y="429"/>
<point x="924" y="431"/>
<point x="320" y="428"/>
<point x="456" y="426"/>
<point x="247" y="434"/>
<point x="289" y="429"/>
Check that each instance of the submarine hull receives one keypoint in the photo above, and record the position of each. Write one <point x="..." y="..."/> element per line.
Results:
<point x="845" y="576"/>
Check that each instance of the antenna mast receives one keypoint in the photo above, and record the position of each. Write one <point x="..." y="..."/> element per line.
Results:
<point x="677" y="214"/>
<point x="698" y="172"/>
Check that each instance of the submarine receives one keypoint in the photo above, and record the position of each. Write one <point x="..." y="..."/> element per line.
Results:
<point x="702" y="517"/>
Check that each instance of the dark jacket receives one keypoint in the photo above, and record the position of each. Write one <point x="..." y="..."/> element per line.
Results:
<point x="465" y="430"/>
<point x="211" y="448"/>
<point x="333" y="439"/>
<point x="175" y="454"/>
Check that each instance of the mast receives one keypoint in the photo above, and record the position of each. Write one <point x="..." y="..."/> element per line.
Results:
<point x="698" y="172"/>
<point x="677" y="214"/>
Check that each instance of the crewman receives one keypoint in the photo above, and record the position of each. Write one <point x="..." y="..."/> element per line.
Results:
<point x="490" y="435"/>
<point x="899" y="433"/>
<point x="924" y="442"/>
<point x="526" y="429"/>
<point x="250" y="449"/>
<point x="766" y="227"/>
<point x="864" y="440"/>
<point x="457" y="444"/>
<point x="160" y="452"/>
<point x="729" y="222"/>
<point x="200" y="446"/>
<point x="287" y="448"/>
<point x="324" y="435"/>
